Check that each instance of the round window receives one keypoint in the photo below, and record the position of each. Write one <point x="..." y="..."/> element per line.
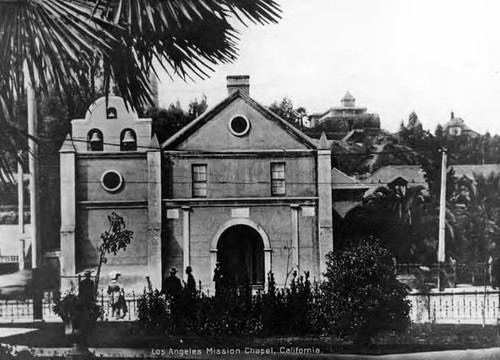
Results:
<point x="239" y="125"/>
<point x="111" y="181"/>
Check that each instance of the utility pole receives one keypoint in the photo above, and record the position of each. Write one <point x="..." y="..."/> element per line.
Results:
<point x="20" y="211"/>
<point x="442" y="215"/>
<point x="35" y="240"/>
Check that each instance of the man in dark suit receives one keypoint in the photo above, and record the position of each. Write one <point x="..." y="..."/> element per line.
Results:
<point x="172" y="285"/>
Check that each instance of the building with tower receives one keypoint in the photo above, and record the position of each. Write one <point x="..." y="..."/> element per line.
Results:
<point x="456" y="127"/>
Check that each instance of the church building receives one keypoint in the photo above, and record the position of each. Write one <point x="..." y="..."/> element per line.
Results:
<point x="238" y="186"/>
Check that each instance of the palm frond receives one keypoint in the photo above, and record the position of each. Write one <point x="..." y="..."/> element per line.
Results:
<point x="59" y="42"/>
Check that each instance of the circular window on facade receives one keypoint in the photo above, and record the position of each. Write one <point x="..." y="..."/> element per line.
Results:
<point x="112" y="181"/>
<point x="239" y="125"/>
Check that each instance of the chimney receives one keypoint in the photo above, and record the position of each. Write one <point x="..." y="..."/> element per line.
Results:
<point x="238" y="83"/>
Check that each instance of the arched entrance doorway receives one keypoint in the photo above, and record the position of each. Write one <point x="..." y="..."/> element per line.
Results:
<point x="240" y="252"/>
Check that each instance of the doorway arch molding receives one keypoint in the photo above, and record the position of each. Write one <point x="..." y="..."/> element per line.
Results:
<point x="253" y="225"/>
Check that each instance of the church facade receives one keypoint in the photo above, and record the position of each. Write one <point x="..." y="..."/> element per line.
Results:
<point x="238" y="186"/>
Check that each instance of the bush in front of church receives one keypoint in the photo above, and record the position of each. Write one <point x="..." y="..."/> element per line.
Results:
<point x="361" y="296"/>
<point x="234" y="311"/>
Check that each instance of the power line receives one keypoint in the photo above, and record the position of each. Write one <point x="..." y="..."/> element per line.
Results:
<point x="202" y="152"/>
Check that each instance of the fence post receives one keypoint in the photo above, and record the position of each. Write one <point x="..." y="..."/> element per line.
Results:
<point x="102" y="306"/>
<point x="429" y="305"/>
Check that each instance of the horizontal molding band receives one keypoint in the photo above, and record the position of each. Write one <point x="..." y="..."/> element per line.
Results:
<point x="111" y="155"/>
<point x="263" y="201"/>
<point x="120" y="204"/>
<point x="242" y="153"/>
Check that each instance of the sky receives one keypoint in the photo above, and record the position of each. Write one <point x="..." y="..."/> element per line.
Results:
<point x="394" y="56"/>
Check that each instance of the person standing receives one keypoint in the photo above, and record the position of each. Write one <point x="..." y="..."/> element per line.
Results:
<point x="191" y="283"/>
<point x="86" y="289"/>
<point x="87" y="297"/>
<point x="218" y="279"/>
<point x="117" y="298"/>
<point x="172" y="285"/>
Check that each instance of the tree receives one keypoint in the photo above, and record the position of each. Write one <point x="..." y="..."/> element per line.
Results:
<point x="361" y="295"/>
<point x="61" y="42"/>
<point x="196" y="108"/>
<point x="286" y="111"/>
<point x="394" y="216"/>
<point x="166" y="122"/>
<point x="114" y="239"/>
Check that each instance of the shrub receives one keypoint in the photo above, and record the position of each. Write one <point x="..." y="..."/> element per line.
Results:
<point x="235" y="311"/>
<point x="152" y="310"/>
<point x="361" y="295"/>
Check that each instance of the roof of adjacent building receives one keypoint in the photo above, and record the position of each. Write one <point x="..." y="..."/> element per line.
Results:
<point x="387" y="174"/>
<point x="414" y="175"/>
<point x="471" y="170"/>
<point x="342" y="181"/>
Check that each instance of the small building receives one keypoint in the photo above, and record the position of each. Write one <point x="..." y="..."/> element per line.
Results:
<point x="457" y="127"/>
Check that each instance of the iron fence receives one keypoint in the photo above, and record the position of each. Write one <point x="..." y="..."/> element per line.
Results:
<point x="21" y="310"/>
<point x="474" y="307"/>
<point x="454" y="273"/>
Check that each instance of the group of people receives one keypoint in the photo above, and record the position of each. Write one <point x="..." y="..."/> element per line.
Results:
<point x="87" y="294"/>
<point x="172" y="286"/>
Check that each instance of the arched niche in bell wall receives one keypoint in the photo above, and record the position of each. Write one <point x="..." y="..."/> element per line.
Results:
<point x="95" y="140"/>
<point x="128" y="140"/>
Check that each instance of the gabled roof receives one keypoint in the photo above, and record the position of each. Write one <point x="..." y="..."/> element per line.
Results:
<point x="194" y="125"/>
<point x="388" y="174"/>
<point x="342" y="181"/>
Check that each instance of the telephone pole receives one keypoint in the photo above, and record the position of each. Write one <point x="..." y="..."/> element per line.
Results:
<point x="442" y="216"/>
<point x="36" y="260"/>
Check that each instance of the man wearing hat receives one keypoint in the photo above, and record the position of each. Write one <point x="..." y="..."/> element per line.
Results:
<point x="86" y="289"/>
<point x="172" y="285"/>
<point x="191" y="283"/>
<point x="87" y="296"/>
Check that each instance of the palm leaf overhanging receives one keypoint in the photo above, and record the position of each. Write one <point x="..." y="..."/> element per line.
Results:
<point x="60" y="42"/>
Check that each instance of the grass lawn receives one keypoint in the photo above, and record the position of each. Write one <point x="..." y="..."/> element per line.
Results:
<point x="417" y="338"/>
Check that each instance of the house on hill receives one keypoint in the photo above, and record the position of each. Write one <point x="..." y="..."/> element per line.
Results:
<point x="345" y="121"/>
<point x="456" y="127"/>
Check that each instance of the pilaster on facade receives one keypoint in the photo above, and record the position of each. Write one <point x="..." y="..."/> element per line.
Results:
<point x="325" y="211"/>
<point x="154" y="214"/>
<point x="295" y="208"/>
<point x="68" y="208"/>
<point x="186" y="251"/>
